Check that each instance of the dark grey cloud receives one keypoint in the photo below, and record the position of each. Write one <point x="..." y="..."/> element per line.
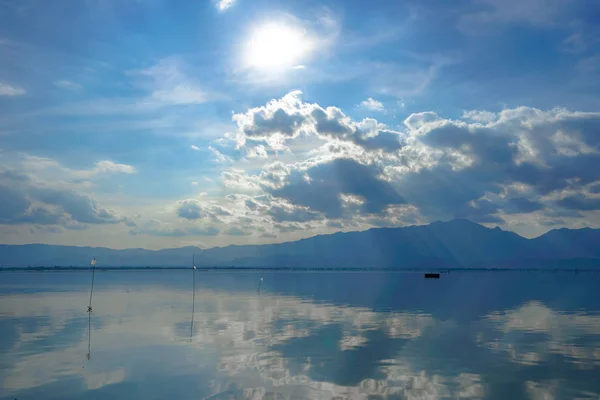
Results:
<point x="24" y="201"/>
<point x="295" y="214"/>
<point x="11" y="175"/>
<point x="333" y="124"/>
<point x="517" y="205"/>
<point x="279" y="121"/>
<point x="41" y="216"/>
<point x="12" y="204"/>
<point x="190" y="209"/>
<point x="580" y="202"/>
<point x="286" y="228"/>
<point x="81" y="208"/>
<point x="67" y="207"/>
<point x="384" y="140"/>
<point x="326" y="182"/>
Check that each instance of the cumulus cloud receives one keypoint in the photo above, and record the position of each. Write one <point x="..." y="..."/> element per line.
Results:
<point x="81" y="208"/>
<point x="8" y="90"/>
<point x="54" y="206"/>
<point x="371" y="104"/>
<point x="484" y="166"/>
<point x="285" y="119"/>
<point x="190" y="209"/>
<point x="34" y="196"/>
<point x="326" y="183"/>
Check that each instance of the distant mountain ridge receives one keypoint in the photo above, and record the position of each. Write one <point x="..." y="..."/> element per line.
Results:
<point x="454" y="244"/>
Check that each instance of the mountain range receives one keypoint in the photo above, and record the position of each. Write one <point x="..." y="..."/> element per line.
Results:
<point x="454" y="244"/>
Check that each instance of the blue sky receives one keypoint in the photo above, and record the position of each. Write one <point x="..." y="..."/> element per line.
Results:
<point x="150" y="123"/>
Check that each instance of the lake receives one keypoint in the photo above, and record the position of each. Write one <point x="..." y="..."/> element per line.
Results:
<point x="352" y="335"/>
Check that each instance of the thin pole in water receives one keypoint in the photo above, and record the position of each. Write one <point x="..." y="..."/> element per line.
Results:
<point x="193" y="294"/>
<point x="89" y="310"/>
<point x="93" y="263"/>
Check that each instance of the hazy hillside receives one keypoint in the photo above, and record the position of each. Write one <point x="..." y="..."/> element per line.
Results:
<point x="457" y="243"/>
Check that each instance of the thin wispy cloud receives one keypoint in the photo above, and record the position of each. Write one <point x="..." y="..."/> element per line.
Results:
<point x="67" y="85"/>
<point x="9" y="90"/>
<point x="171" y="85"/>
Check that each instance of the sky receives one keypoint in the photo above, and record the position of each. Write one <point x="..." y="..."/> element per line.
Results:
<point x="155" y="123"/>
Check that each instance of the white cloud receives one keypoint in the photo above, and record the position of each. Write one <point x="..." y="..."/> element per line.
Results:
<point x="220" y="157"/>
<point x="171" y="85"/>
<point x="283" y="120"/>
<point x="50" y="168"/>
<point x="181" y="94"/>
<point x="372" y="104"/>
<point x="479" y="116"/>
<point x="67" y="85"/>
<point x="8" y="90"/>
<point x="107" y="166"/>
<point x="194" y="147"/>
<point x="257" y="152"/>
<point x="223" y="5"/>
<point x="470" y="164"/>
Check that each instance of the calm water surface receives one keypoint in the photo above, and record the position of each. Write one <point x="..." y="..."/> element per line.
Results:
<point x="303" y="336"/>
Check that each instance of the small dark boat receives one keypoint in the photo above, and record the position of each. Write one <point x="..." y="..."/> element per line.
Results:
<point x="432" y="276"/>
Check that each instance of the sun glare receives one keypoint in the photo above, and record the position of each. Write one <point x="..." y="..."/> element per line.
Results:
<point x="276" y="47"/>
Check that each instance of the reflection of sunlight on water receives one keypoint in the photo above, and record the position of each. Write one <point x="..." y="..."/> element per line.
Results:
<point x="248" y="346"/>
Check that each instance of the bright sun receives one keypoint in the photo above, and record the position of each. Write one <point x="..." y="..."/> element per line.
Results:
<point x="276" y="47"/>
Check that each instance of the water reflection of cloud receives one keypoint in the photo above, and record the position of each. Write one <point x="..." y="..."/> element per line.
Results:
<point x="534" y="332"/>
<point x="270" y="346"/>
<point x="245" y="333"/>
